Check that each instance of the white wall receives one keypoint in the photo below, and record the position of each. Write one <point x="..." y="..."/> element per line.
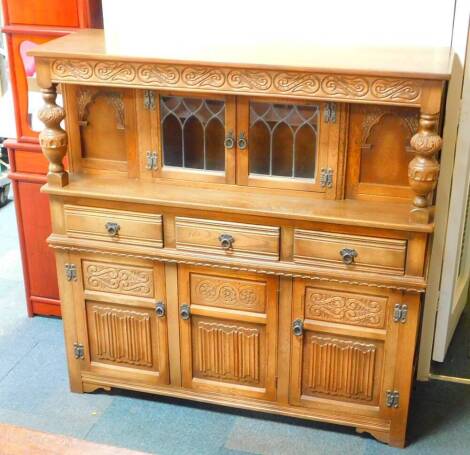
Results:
<point x="188" y="27"/>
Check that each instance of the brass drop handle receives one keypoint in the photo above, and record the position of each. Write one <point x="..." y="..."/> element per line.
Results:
<point x="229" y="141"/>
<point x="160" y="309"/>
<point x="226" y="241"/>
<point x="298" y="327"/>
<point x="112" y="228"/>
<point x="242" y="141"/>
<point x="185" y="311"/>
<point x="348" y="255"/>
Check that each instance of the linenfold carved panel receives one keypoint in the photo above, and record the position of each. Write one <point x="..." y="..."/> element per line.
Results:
<point x="225" y="292"/>
<point x="345" y="308"/>
<point x="227" y="352"/>
<point x="122" y="279"/>
<point x="242" y="80"/>
<point x="120" y="336"/>
<point x="339" y="367"/>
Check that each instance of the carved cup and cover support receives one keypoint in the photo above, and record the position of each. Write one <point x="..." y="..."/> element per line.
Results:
<point x="53" y="139"/>
<point x="423" y="170"/>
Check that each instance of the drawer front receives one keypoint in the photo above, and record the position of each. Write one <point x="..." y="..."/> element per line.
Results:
<point x="352" y="252"/>
<point x="228" y="239"/>
<point x="133" y="228"/>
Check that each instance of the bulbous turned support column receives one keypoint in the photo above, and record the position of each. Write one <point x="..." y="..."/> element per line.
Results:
<point x="423" y="169"/>
<point x="53" y="139"/>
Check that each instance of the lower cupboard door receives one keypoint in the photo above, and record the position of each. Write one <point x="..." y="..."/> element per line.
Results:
<point x="123" y="335"/>
<point x="228" y="324"/>
<point x="344" y="344"/>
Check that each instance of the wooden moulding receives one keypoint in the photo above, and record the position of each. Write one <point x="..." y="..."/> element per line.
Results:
<point x="239" y="80"/>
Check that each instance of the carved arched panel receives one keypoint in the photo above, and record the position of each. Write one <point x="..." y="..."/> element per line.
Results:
<point x="379" y="150"/>
<point x="101" y="116"/>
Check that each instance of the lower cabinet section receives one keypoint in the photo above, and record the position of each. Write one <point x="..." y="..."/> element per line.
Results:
<point x="217" y="334"/>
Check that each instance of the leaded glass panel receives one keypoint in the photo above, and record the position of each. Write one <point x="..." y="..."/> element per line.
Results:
<point x="283" y="139"/>
<point x="193" y="131"/>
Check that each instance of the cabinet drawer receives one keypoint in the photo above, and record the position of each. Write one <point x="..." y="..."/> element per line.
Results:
<point x="133" y="228"/>
<point x="350" y="251"/>
<point x="228" y="239"/>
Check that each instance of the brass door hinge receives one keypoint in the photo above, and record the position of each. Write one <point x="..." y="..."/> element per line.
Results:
<point x="71" y="272"/>
<point x="152" y="160"/>
<point x="326" y="178"/>
<point x="400" y="313"/>
<point x="329" y="114"/>
<point x="78" y="351"/>
<point x="392" y="398"/>
<point x="149" y="100"/>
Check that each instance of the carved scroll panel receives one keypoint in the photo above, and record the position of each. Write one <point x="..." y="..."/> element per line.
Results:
<point x="345" y="308"/>
<point x="229" y="351"/>
<point x="341" y="368"/>
<point x="120" y="335"/>
<point x="119" y="279"/>
<point x="224" y="292"/>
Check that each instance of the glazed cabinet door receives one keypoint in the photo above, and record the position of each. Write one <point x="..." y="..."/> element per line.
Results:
<point x="344" y="347"/>
<point x="228" y="326"/>
<point x="289" y="144"/>
<point x="187" y="136"/>
<point x="121" y="319"/>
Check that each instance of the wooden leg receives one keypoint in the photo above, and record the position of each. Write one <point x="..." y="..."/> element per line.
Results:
<point x="382" y="436"/>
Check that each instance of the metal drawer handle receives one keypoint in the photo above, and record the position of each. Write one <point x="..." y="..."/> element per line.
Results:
<point x="185" y="311"/>
<point x="160" y="309"/>
<point x="112" y="228"/>
<point x="348" y="255"/>
<point x="242" y="141"/>
<point x="298" y="327"/>
<point x="229" y="140"/>
<point x="226" y="241"/>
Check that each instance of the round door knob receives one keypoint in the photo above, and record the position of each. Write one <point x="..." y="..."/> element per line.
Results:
<point x="348" y="255"/>
<point x="242" y="141"/>
<point x="185" y="312"/>
<point x="112" y="228"/>
<point x="229" y="141"/>
<point x="226" y="241"/>
<point x="160" y="309"/>
<point x="298" y="327"/>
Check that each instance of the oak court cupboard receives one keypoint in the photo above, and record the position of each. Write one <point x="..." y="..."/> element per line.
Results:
<point x="254" y="236"/>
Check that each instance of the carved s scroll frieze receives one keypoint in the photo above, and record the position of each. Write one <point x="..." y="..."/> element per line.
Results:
<point x="159" y="74"/>
<point x="75" y="69"/>
<point x="240" y="80"/>
<point x="297" y="82"/>
<point x="256" y="80"/>
<point x="203" y="77"/>
<point x="115" y="71"/>
<point x="345" y="86"/>
<point x="395" y="89"/>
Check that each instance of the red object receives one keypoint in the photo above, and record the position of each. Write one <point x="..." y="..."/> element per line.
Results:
<point x="28" y="23"/>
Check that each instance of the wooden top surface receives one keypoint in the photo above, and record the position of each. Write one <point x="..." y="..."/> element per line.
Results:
<point x="420" y="63"/>
<point x="243" y="201"/>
